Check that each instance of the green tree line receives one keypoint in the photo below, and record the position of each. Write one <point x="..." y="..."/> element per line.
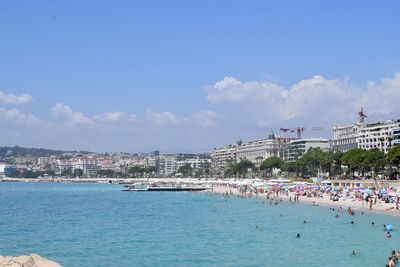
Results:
<point x="316" y="162"/>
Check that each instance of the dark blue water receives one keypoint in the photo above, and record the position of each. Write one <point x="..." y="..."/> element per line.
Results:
<point x="99" y="225"/>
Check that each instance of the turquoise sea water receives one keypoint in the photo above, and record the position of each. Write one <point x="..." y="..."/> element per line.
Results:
<point x="99" y="225"/>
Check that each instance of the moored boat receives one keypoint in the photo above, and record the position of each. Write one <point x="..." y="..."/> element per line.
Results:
<point x="145" y="187"/>
<point x="137" y="188"/>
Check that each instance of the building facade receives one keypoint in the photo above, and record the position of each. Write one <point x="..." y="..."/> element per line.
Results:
<point x="2" y="167"/>
<point x="296" y="148"/>
<point x="395" y="136"/>
<point x="223" y="157"/>
<point x="255" y="151"/>
<point x="345" y="137"/>
<point x="169" y="165"/>
<point x="379" y="135"/>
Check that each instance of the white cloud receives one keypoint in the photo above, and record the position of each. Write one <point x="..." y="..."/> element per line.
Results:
<point x="161" y="118"/>
<point x="205" y="118"/>
<point x="101" y="122"/>
<point x="11" y="99"/>
<point x="109" y="116"/>
<point x="383" y="97"/>
<point x="64" y="112"/>
<point x="314" y="100"/>
<point x="14" y="115"/>
<point x="232" y="90"/>
<point x="132" y="118"/>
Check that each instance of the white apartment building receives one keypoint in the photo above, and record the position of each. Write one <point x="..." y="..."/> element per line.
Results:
<point x="195" y="163"/>
<point x="88" y="166"/>
<point x="255" y="151"/>
<point x="379" y="135"/>
<point x="258" y="150"/>
<point x="151" y="161"/>
<point x="108" y="164"/>
<point x="345" y="137"/>
<point x="298" y="147"/>
<point x="395" y="136"/>
<point x="223" y="157"/>
<point x="2" y="167"/>
<point x="169" y="165"/>
<point x="64" y="165"/>
<point x="43" y="160"/>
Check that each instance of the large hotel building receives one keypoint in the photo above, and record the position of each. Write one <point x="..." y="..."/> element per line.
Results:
<point x="380" y="135"/>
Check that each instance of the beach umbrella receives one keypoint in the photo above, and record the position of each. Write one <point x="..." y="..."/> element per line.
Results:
<point x="368" y="191"/>
<point x="359" y="188"/>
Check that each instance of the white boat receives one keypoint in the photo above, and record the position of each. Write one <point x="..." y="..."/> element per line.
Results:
<point x="137" y="187"/>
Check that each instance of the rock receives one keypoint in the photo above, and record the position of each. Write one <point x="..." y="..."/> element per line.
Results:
<point x="33" y="260"/>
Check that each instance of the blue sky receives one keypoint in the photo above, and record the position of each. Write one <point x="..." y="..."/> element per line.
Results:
<point x="189" y="76"/>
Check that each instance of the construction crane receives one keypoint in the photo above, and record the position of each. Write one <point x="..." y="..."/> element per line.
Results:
<point x="299" y="130"/>
<point x="362" y="115"/>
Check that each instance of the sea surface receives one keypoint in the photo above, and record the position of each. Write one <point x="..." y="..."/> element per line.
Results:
<point x="99" y="225"/>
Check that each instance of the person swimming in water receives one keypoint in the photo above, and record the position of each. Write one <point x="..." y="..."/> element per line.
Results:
<point x="353" y="253"/>
<point x="298" y="236"/>
<point x="388" y="235"/>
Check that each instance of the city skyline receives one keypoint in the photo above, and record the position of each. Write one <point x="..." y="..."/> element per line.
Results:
<point x="135" y="77"/>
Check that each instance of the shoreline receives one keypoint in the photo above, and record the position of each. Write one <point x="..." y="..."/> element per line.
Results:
<point x="216" y="187"/>
<point x="379" y="208"/>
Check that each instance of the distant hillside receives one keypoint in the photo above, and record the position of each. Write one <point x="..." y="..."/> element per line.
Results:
<point x="36" y="152"/>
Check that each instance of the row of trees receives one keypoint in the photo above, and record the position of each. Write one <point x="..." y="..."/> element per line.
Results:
<point x="31" y="174"/>
<point x="317" y="162"/>
<point x="239" y="169"/>
<point x="137" y="171"/>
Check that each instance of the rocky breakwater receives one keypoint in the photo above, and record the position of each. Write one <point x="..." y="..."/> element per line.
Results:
<point x="33" y="260"/>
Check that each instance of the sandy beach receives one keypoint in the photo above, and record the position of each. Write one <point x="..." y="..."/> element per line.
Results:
<point x="344" y="202"/>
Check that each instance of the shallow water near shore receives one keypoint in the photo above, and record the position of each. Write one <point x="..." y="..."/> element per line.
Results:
<point x="99" y="225"/>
